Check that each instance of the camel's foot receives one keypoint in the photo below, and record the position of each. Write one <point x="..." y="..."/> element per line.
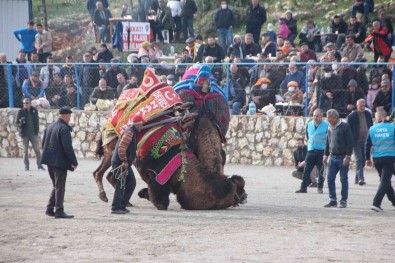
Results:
<point x="243" y="198"/>
<point x="161" y="206"/>
<point x="143" y="193"/>
<point x="103" y="197"/>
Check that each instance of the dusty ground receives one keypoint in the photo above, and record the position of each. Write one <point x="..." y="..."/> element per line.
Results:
<point x="276" y="225"/>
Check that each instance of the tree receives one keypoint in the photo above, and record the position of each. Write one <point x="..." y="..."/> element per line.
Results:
<point x="45" y="16"/>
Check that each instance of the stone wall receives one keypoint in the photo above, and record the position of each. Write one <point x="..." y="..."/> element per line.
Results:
<point x="257" y="140"/>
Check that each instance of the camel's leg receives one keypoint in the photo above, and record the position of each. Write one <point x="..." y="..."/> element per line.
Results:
<point x="158" y="194"/>
<point x="98" y="175"/>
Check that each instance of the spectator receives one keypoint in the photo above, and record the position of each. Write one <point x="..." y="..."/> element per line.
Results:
<point x="379" y="70"/>
<point x="362" y="79"/>
<point x="353" y="51"/>
<point x="175" y="7"/>
<point x="213" y="50"/>
<point x="353" y="95"/>
<point x="180" y="69"/>
<point x="380" y="44"/>
<point x="310" y="33"/>
<point x="316" y="134"/>
<point x="272" y="73"/>
<point x="356" y="29"/>
<point x="155" y="52"/>
<point x="91" y="6"/>
<point x="121" y="83"/>
<point x="339" y="145"/>
<point x="256" y="17"/>
<point x="3" y="81"/>
<point x="68" y="68"/>
<point x="338" y="29"/>
<point x="292" y="25"/>
<point x="55" y="91"/>
<point x="165" y="20"/>
<point x="306" y="53"/>
<point x="328" y="85"/>
<point x="257" y="71"/>
<point x="372" y="93"/>
<point x="272" y="34"/>
<point x="383" y="98"/>
<point x="124" y="11"/>
<point x="263" y="93"/>
<point x="144" y="49"/>
<point x="381" y="141"/>
<point x="236" y="48"/>
<point x="27" y="121"/>
<point x="199" y="45"/>
<point x="170" y="80"/>
<point x="346" y="73"/>
<point x="26" y="36"/>
<point x="284" y="31"/>
<point x="293" y="95"/>
<point x="250" y="48"/>
<point x="89" y="77"/>
<point x="68" y="80"/>
<point x="132" y="84"/>
<point x="386" y="22"/>
<point x="70" y="98"/>
<point x="32" y="87"/>
<point x="187" y="13"/>
<point x="43" y="43"/>
<point x="332" y="54"/>
<point x="299" y="162"/>
<point x="47" y="72"/>
<point x="59" y="156"/>
<point x="102" y="68"/>
<point x="101" y="18"/>
<point x="102" y="92"/>
<point x="105" y="54"/>
<point x="363" y="6"/>
<point x="224" y="21"/>
<point x="360" y="120"/>
<point x="293" y="75"/>
<point x="94" y="54"/>
<point x="287" y="47"/>
<point x="268" y="47"/>
<point x="112" y="72"/>
<point x="236" y="91"/>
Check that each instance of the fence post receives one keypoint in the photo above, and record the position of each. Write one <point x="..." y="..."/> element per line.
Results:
<point x="11" y="103"/>
<point x="306" y="106"/>
<point x="393" y="87"/>
<point x="78" y="86"/>
<point x="227" y="82"/>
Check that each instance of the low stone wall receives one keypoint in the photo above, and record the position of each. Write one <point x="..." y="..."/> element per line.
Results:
<point x="257" y="140"/>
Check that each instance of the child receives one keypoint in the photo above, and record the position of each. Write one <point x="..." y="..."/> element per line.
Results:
<point x="272" y="34"/>
<point x="284" y="30"/>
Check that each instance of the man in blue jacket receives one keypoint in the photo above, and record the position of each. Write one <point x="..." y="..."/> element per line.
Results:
<point x="381" y="144"/>
<point x="360" y="120"/>
<point x="27" y="37"/>
<point x="59" y="156"/>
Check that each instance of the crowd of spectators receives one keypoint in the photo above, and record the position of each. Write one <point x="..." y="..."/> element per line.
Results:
<point x="281" y="78"/>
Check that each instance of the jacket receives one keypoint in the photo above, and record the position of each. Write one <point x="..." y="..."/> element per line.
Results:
<point x="107" y="94"/>
<point x="339" y="140"/>
<point x="45" y="74"/>
<point x="384" y="100"/>
<point x="380" y="42"/>
<point x="166" y="19"/>
<point x="215" y="51"/>
<point x="224" y="18"/>
<point x="89" y="76"/>
<point x="29" y="91"/>
<point x="117" y="37"/>
<point x="236" y="85"/>
<point x="105" y="55"/>
<point x="299" y="77"/>
<point x="292" y="25"/>
<point x="26" y="37"/>
<point x="299" y="156"/>
<point x="189" y="9"/>
<point x="256" y="17"/>
<point x="354" y="53"/>
<point x="353" y="121"/>
<point x="381" y="140"/>
<point x="57" y="146"/>
<point x="99" y="21"/>
<point x="46" y="41"/>
<point x="21" y="121"/>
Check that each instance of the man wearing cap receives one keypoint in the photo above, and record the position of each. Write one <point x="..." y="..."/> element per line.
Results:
<point x="27" y="121"/>
<point x="224" y="21"/>
<point x="256" y="17"/>
<point x="122" y="159"/>
<point x="268" y="47"/>
<point x="360" y="120"/>
<point x="58" y="155"/>
<point x="384" y="97"/>
<point x="351" y="50"/>
<point x="236" y="48"/>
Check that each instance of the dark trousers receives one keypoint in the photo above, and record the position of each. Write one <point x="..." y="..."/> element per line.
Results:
<point x="123" y="195"/>
<point x="58" y="177"/>
<point x="385" y="167"/>
<point x="42" y="57"/>
<point x="313" y="158"/>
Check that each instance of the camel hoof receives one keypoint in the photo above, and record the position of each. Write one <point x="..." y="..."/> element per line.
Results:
<point x="143" y="193"/>
<point x="161" y="207"/>
<point x="243" y="198"/>
<point x="103" y="197"/>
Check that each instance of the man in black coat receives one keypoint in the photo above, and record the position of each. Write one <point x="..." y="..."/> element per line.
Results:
<point x="384" y="97"/>
<point x="58" y="155"/>
<point x="212" y="49"/>
<point x="256" y="17"/>
<point x="27" y="121"/>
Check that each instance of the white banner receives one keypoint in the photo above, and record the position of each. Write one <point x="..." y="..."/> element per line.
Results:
<point x="135" y="33"/>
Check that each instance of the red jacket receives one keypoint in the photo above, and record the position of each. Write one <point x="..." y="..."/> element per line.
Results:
<point x="379" y="38"/>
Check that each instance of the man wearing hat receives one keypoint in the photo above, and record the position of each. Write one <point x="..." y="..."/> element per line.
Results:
<point x="58" y="155"/>
<point x="384" y="97"/>
<point x="268" y="47"/>
<point x="122" y="159"/>
<point x="27" y="121"/>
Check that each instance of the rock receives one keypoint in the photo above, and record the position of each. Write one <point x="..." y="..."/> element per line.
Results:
<point x="245" y="153"/>
<point x="300" y="125"/>
<point x="81" y="135"/>
<point x="250" y="137"/>
<point x="278" y="162"/>
<point x="243" y="142"/>
<point x="267" y="151"/>
<point x="268" y="162"/>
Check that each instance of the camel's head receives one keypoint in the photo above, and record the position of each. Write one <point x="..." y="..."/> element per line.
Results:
<point x="241" y="195"/>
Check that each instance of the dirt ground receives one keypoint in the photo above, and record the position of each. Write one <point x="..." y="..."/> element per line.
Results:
<point x="276" y="225"/>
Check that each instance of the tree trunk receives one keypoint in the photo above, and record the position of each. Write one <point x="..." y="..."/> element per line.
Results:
<point x="45" y="22"/>
<point x="131" y="9"/>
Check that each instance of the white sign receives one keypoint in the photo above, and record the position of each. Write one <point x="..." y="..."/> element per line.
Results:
<point x="134" y="34"/>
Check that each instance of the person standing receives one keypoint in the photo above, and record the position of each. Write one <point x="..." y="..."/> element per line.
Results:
<point x="224" y="21"/>
<point x="188" y="10"/>
<point x="256" y="17"/>
<point x="316" y="133"/>
<point x="378" y="38"/>
<point x="360" y="120"/>
<point x="122" y="159"/>
<point x="59" y="156"/>
<point x="43" y="43"/>
<point x="339" y="144"/>
<point x="381" y="145"/>
<point x="27" y="121"/>
<point x="26" y="36"/>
